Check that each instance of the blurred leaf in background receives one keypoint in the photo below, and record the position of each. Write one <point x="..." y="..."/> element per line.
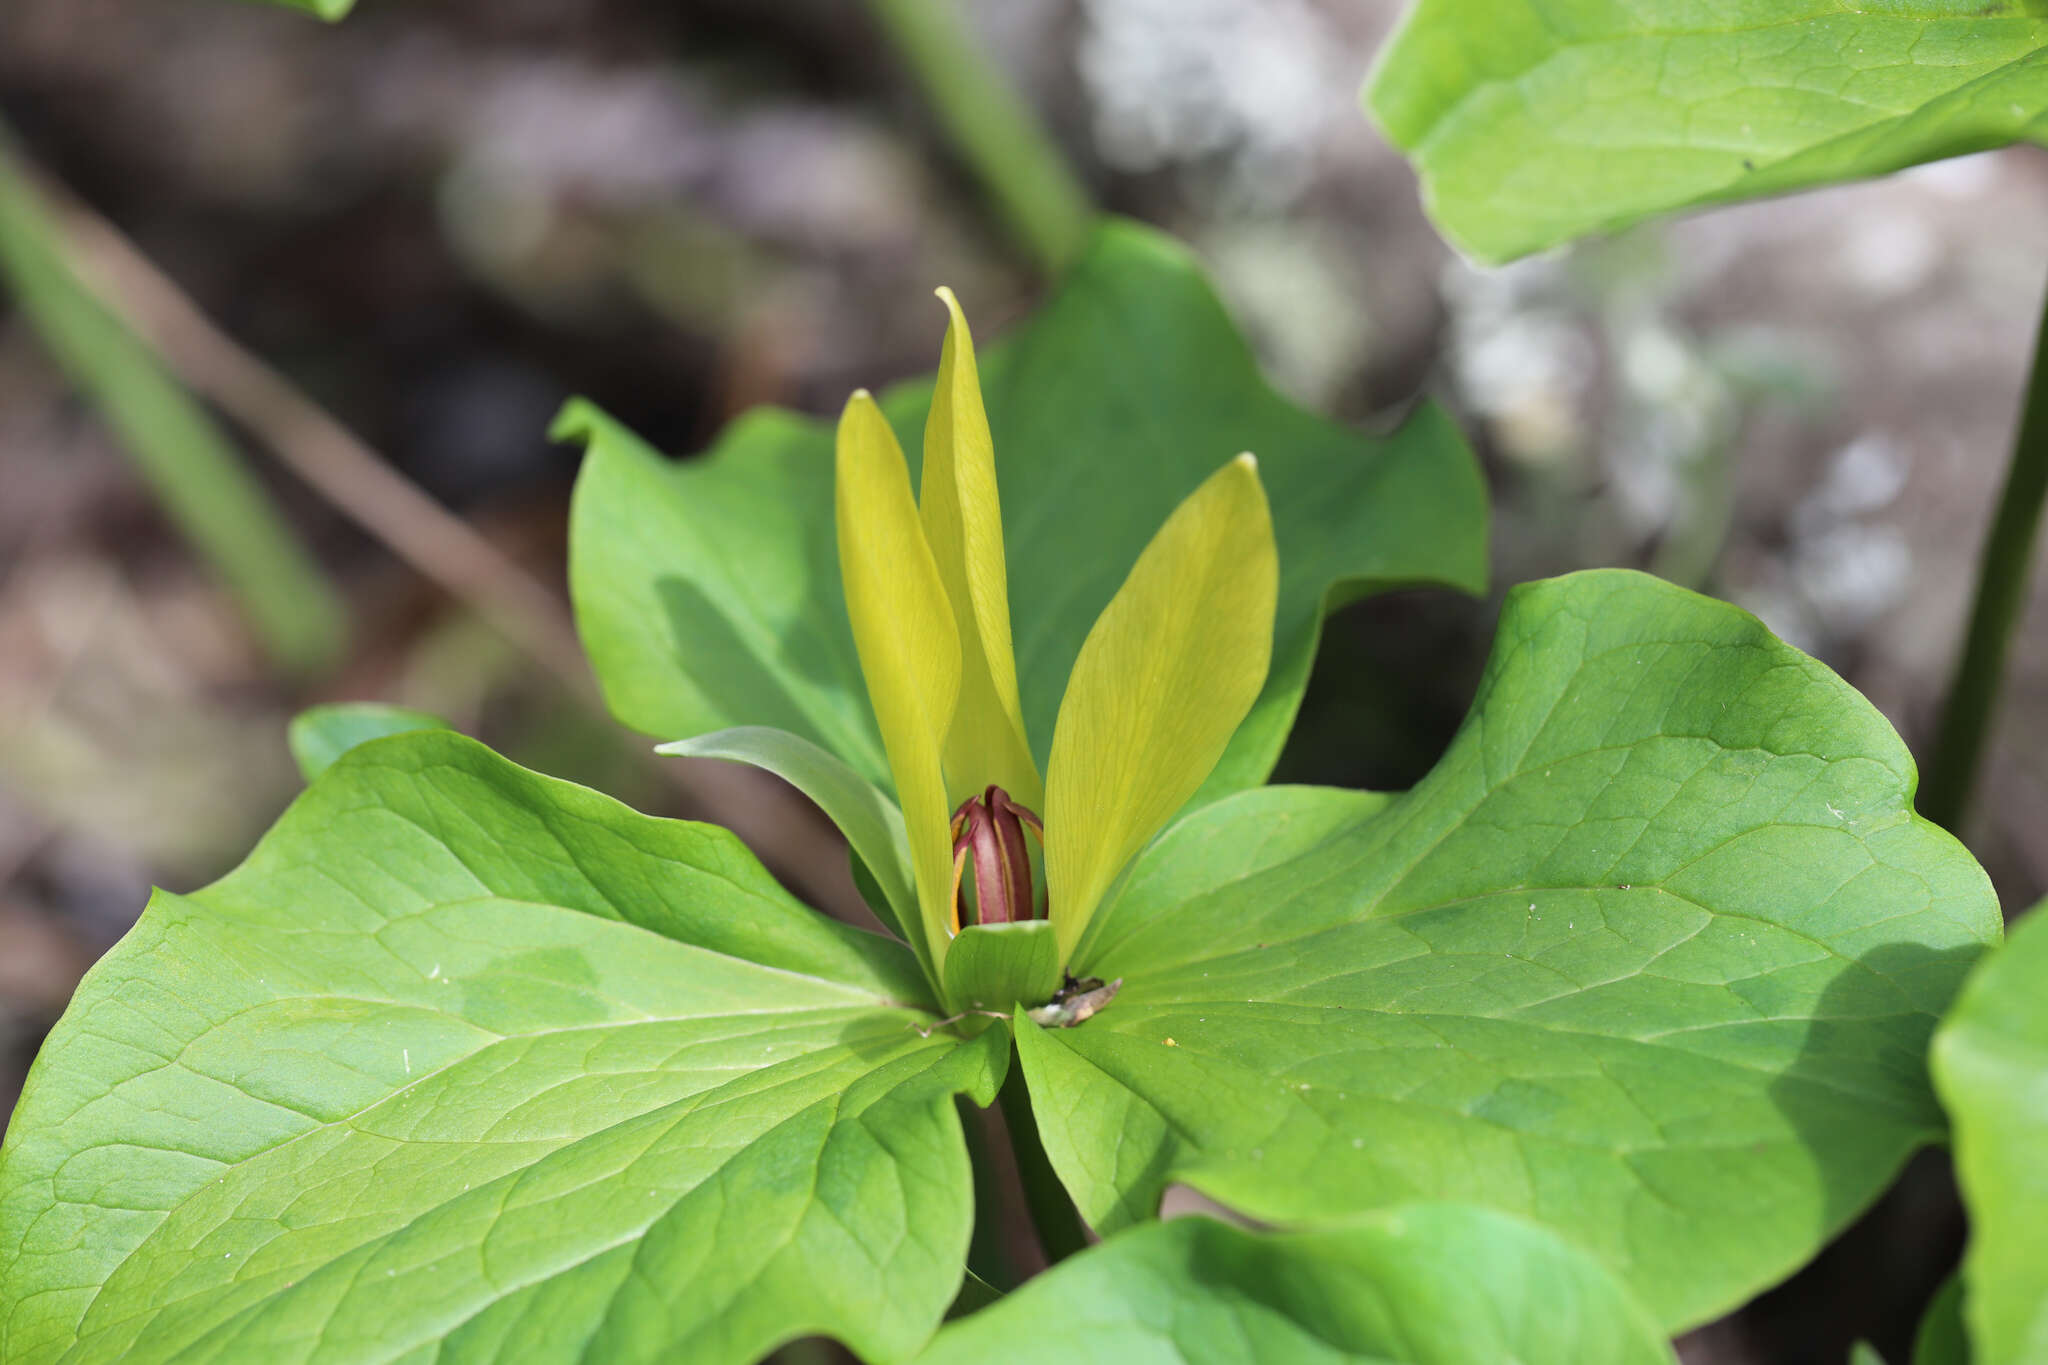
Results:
<point x="326" y="9"/>
<point x="322" y="734"/>
<point x="1535" y="121"/>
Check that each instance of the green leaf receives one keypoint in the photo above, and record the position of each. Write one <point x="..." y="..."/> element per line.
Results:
<point x="321" y="734"/>
<point x="193" y="468"/>
<point x="1652" y="957"/>
<point x="708" y="592"/>
<point x="996" y="966"/>
<point x="1991" y="1064"/>
<point x="1425" y="1284"/>
<point x="1941" y="1339"/>
<point x="1204" y="850"/>
<point x="1535" y="121"/>
<point x="465" y="1063"/>
<point x="870" y="821"/>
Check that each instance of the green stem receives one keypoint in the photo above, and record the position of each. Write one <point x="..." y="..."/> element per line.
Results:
<point x="196" y="472"/>
<point x="992" y="128"/>
<point x="1053" y="1217"/>
<point x="2002" y="576"/>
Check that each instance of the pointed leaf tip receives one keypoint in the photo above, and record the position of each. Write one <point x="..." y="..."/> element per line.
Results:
<point x="1162" y="682"/>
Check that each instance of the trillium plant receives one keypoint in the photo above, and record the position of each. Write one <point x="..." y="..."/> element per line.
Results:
<point x="1609" y="1023"/>
<point x="1163" y="680"/>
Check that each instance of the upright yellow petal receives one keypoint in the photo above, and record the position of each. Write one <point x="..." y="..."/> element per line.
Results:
<point x="909" y="649"/>
<point x="963" y="521"/>
<point x="1163" y="680"/>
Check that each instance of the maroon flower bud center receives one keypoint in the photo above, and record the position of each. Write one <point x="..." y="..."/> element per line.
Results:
<point x="988" y="831"/>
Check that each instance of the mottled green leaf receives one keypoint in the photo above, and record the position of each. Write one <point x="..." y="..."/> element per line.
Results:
<point x="1991" y="1062"/>
<point x="1424" y="1284"/>
<point x="1534" y="121"/>
<point x="321" y="734"/>
<point x="1652" y="956"/>
<point x="708" y="592"/>
<point x="468" y="1064"/>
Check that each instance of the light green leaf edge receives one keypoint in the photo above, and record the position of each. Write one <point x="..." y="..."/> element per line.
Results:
<point x="319" y="735"/>
<point x="707" y="592"/>
<point x="1532" y="122"/>
<point x="872" y="824"/>
<point x="1991" y="1067"/>
<point x="491" y="1037"/>
<point x="1424" y="1284"/>
<point x="1689" y="1034"/>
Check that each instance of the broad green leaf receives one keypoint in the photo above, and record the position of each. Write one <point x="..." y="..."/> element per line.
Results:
<point x="1991" y="1063"/>
<point x="1652" y="956"/>
<point x="1423" y="1284"/>
<point x="1163" y="679"/>
<point x="708" y="592"/>
<point x="321" y="734"/>
<point x="1535" y="121"/>
<point x="964" y="523"/>
<point x="192" y="466"/>
<point x="870" y="821"/>
<point x="909" y="649"/>
<point x="996" y="966"/>
<point x="468" y="1064"/>
<point x="1205" y="850"/>
<point x="1941" y="1339"/>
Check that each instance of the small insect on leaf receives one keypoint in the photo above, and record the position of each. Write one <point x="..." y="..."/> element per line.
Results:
<point x="1075" y="1003"/>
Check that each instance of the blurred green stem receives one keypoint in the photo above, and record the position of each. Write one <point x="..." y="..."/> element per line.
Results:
<point x="197" y="474"/>
<point x="992" y="128"/>
<point x="2002" y="577"/>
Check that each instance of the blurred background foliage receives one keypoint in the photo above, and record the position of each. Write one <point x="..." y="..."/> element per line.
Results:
<point x="440" y="219"/>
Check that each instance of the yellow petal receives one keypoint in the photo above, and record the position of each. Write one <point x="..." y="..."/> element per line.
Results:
<point x="1169" y="670"/>
<point x="909" y="650"/>
<point x="963" y="521"/>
